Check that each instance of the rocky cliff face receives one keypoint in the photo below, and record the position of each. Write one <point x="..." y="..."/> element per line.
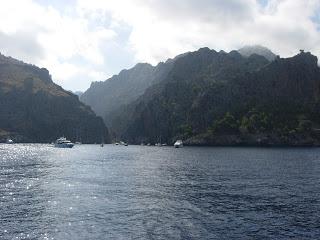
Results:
<point x="226" y="99"/>
<point x="244" y="97"/>
<point x="34" y="109"/>
<point x="110" y="98"/>
<point x="168" y="108"/>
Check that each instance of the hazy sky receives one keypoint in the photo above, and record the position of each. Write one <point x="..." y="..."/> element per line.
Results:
<point x="81" y="41"/>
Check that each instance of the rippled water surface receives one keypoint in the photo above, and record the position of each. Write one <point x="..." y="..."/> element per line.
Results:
<point x="140" y="192"/>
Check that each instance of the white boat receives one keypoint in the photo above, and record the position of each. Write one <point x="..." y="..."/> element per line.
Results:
<point x="9" y="141"/>
<point x="178" y="144"/>
<point x="63" y="143"/>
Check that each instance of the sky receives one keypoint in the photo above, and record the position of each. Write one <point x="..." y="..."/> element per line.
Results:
<point x="81" y="41"/>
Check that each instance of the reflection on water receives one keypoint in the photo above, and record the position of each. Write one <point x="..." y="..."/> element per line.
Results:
<point x="141" y="192"/>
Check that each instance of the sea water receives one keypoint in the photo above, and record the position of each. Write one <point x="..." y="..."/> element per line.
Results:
<point x="141" y="192"/>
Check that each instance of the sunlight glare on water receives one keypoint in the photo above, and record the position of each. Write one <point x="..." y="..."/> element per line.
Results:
<point x="140" y="192"/>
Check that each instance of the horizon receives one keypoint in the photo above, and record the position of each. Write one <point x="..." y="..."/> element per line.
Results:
<point x="81" y="41"/>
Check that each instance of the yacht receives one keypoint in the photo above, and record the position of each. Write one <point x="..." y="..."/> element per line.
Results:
<point x="178" y="144"/>
<point x="63" y="143"/>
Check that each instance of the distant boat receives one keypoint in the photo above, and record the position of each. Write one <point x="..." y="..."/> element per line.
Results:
<point x="78" y="143"/>
<point x="63" y="143"/>
<point x="123" y="143"/>
<point x="149" y="144"/>
<point x="102" y="142"/>
<point x="178" y="144"/>
<point x="9" y="141"/>
<point x="158" y="144"/>
<point x="164" y="144"/>
<point x="117" y="143"/>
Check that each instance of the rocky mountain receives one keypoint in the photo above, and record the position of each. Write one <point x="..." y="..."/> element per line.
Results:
<point x="259" y="50"/>
<point x="212" y="98"/>
<point x="217" y="98"/>
<point x="110" y="98"/>
<point x="34" y="109"/>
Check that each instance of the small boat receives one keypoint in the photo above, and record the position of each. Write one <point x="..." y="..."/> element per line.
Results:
<point x="123" y="143"/>
<point x="117" y="143"/>
<point x="78" y="143"/>
<point x="102" y="142"/>
<point x="158" y="144"/>
<point x="63" y="143"/>
<point x="178" y="144"/>
<point x="9" y="141"/>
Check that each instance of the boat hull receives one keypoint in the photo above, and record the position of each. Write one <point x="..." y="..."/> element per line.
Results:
<point x="63" y="145"/>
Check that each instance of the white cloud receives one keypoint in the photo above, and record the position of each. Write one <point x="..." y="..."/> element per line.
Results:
<point x="165" y="28"/>
<point x="44" y="36"/>
<point x="76" y="44"/>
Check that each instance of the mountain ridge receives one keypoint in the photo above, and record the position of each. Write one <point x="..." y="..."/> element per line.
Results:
<point x="248" y="50"/>
<point x="218" y="98"/>
<point x="34" y="109"/>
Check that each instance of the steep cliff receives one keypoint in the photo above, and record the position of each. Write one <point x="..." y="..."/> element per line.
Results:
<point x="245" y="97"/>
<point x="109" y="98"/>
<point x="212" y="98"/>
<point x="34" y="109"/>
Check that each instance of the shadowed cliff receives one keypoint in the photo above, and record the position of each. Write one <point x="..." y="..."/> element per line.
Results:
<point x="34" y="109"/>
